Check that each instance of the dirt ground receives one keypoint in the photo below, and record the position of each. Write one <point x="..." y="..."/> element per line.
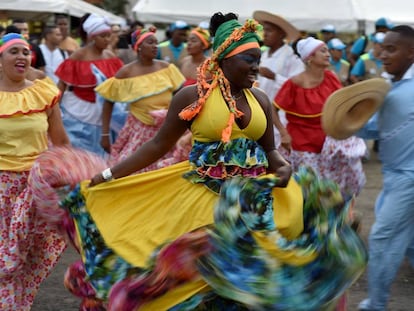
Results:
<point x="54" y="297"/>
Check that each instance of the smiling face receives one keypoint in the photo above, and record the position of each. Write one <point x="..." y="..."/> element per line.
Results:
<point x="397" y="54"/>
<point x="15" y="62"/>
<point x="241" y="69"/>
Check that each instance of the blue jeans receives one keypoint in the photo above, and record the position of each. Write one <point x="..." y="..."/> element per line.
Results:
<point x="392" y="235"/>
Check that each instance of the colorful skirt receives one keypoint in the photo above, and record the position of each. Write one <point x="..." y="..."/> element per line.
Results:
<point x="29" y="245"/>
<point x="339" y="160"/>
<point x="155" y="241"/>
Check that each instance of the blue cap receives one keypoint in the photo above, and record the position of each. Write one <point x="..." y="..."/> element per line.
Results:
<point x="384" y="22"/>
<point x="378" y="37"/>
<point x="328" y="28"/>
<point x="179" y="25"/>
<point x="336" y="44"/>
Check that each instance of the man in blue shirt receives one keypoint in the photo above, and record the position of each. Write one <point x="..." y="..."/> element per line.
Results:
<point x="338" y="64"/>
<point x="175" y="49"/>
<point x="364" y="42"/>
<point x="392" y="234"/>
<point x="369" y="65"/>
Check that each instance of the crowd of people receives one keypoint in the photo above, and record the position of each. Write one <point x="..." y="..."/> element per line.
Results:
<point x="198" y="173"/>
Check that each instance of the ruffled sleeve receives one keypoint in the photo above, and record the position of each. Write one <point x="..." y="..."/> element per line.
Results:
<point x="130" y="90"/>
<point x="36" y="98"/>
<point x="285" y="96"/>
<point x="177" y="78"/>
<point x="78" y="73"/>
<point x="306" y="102"/>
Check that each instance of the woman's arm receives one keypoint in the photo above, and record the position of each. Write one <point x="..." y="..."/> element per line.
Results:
<point x="285" y="139"/>
<point x="171" y="130"/>
<point x="106" y="125"/>
<point x="277" y="164"/>
<point x="56" y="130"/>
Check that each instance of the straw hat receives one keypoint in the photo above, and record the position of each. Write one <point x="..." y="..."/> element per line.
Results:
<point x="349" y="108"/>
<point x="291" y="32"/>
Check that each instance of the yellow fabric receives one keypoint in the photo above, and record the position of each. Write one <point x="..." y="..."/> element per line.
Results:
<point x="212" y="119"/>
<point x="145" y="93"/>
<point x="24" y="125"/>
<point x="36" y="98"/>
<point x="135" y="214"/>
<point x="176" y="296"/>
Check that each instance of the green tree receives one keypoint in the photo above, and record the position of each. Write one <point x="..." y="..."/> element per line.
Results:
<point x="118" y="7"/>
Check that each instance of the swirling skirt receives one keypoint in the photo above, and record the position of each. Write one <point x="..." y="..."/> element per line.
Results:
<point x="154" y="241"/>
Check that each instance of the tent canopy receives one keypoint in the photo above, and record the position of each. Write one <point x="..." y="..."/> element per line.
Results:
<point x="345" y="15"/>
<point x="40" y="9"/>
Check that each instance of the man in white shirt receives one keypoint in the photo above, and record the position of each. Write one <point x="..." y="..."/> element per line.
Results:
<point x="279" y="62"/>
<point x="52" y="54"/>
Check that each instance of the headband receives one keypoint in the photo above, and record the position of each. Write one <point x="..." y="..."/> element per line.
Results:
<point x="203" y="35"/>
<point x="12" y="39"/>
<point x="140" y="35"/>
<point x="230" y="33"/>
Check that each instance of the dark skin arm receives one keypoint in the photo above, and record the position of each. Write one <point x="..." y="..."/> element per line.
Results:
<point x="56" y="131"/>
<point x="172" y="129"/>
<point x="277" y="164"/>
<point x="286" y="140"/>
<point x="106" y="121"/>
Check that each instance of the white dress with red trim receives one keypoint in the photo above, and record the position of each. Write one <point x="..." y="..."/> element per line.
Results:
<point x="81" y="108"/>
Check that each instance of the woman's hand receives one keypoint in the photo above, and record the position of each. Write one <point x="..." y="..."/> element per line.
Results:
<point x="96" y="180"/>
<point x="286" y="141"/>
<point x="284" y="173"/>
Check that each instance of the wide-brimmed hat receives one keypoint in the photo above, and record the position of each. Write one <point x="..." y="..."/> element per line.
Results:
<point x="349" y="108"/>
<point x="291" y="32"/>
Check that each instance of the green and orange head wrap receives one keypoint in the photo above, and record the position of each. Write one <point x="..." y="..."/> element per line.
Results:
<point x="203" y="35"/>
<point x="230" y="39"/>
<point x="233" y="38"/>
<point x="11" y="39"/>
<point x="138" y="36"/>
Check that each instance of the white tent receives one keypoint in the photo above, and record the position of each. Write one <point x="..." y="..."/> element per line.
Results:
<point x="40" y="9"/>
<point x="345" y="15"/>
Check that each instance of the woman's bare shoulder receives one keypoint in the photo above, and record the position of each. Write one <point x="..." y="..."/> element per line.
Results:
<point x="185" y="96"/>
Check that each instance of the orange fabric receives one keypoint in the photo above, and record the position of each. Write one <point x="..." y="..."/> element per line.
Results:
<point x="242" y="48"/>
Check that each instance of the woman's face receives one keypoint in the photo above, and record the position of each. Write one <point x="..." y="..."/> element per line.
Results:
<point x="241" y="69"/>
<point x="321" y="57"/>
<point x="149" y="47"/>
<point x="102" y="40"/>
<point x="194" y="45"/>
<point x="15" y="62"/>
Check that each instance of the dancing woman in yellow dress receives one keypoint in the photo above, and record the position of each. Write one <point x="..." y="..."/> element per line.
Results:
<point x="230" y="229"/>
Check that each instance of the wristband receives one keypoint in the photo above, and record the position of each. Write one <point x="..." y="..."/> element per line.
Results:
<point x="107" y="174"/>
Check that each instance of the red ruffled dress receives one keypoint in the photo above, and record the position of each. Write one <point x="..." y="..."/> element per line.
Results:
<point x="339" y="160"/>
<point x="81" y="108"/>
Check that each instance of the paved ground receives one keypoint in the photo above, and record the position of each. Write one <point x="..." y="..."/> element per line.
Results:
<point x="54" y="297"/>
